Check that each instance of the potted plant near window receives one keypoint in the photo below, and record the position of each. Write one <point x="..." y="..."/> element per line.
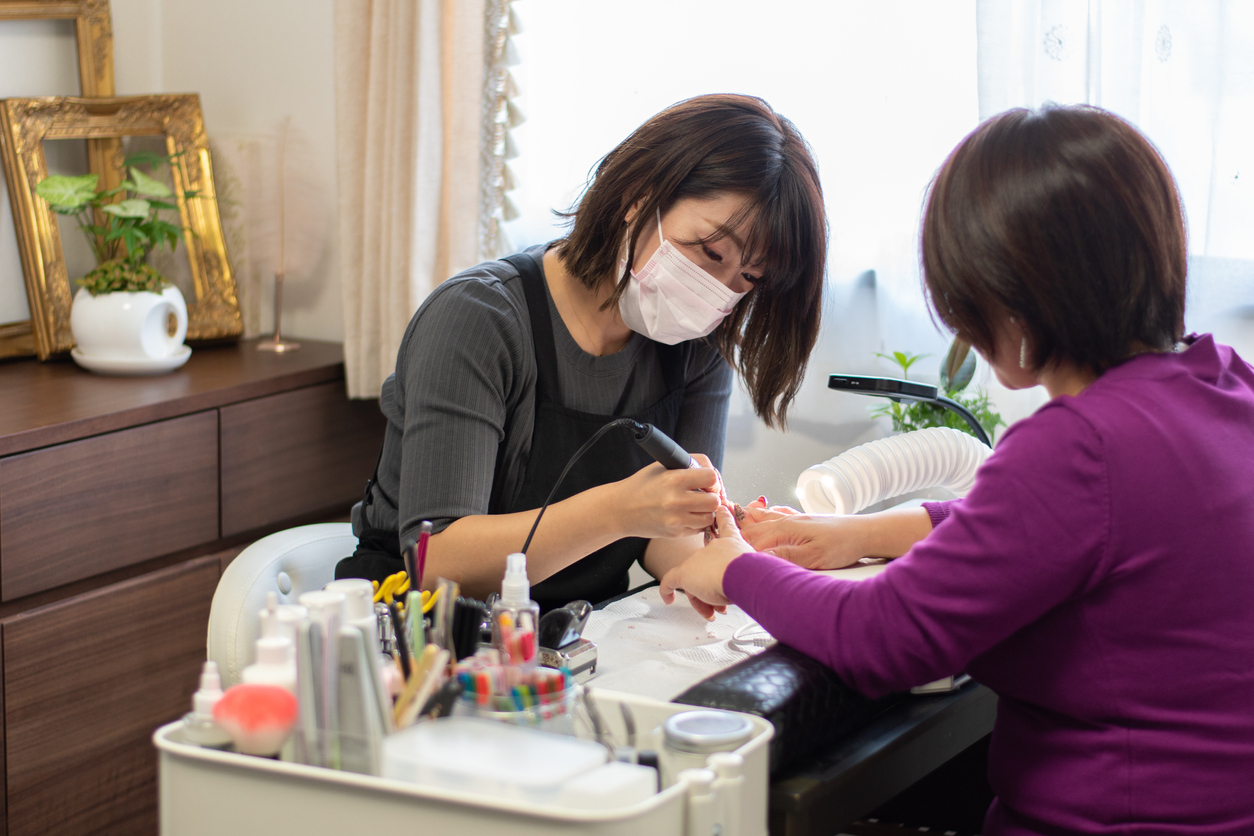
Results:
<point x="955" y="374"/>
<point x="126" y="318"/>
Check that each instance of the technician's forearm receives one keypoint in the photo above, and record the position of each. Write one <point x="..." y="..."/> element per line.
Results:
<point x="663" y="554"/>
<point x="472" y="550"/>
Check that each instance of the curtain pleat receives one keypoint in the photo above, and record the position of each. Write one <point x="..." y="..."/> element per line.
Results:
<point x="409" y="98"/>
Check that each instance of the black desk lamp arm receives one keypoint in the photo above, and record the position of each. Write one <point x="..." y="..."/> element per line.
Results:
<point x="964" y="414"/>
<point x="905" y="390"/>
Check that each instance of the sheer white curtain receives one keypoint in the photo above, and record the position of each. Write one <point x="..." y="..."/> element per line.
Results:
<point x="421" y="97"/>
<point x="1183" y="72"/>
<point x="882" y="89"/>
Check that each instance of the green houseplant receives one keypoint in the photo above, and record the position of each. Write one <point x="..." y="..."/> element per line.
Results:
<point x="955" y="376"/>
<point x="126" y="318"/>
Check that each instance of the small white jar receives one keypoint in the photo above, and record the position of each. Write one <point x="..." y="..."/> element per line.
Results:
<point x="690" y="737"/>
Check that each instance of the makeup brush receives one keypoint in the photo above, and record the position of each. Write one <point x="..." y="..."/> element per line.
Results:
<point x="257" y="717"/>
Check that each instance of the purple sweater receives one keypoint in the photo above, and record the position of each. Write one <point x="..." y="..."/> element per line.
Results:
<point x="1099" y="578"/>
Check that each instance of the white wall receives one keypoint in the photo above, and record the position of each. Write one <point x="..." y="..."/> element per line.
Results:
<point x="37" y="58"/>
<point x="254" y="64"/>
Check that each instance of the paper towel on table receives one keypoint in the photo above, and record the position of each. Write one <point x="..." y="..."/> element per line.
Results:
<point x="648" y="648"/>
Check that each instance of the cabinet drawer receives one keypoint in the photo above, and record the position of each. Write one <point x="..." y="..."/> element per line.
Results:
<point x="86" y="680"/>
<point x="78" y="509"/>
<point x="294" y="454"/>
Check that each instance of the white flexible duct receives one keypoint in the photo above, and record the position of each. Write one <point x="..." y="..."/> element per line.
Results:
<point x="888" y="467"/>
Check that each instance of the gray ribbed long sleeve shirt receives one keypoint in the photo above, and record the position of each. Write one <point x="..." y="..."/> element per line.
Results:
<point x="464" y="387"/>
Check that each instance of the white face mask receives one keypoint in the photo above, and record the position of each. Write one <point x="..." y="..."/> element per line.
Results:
<point x="671" y="299"/>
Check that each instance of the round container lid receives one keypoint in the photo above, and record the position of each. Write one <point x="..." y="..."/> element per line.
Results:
<point x="703" y="732"/>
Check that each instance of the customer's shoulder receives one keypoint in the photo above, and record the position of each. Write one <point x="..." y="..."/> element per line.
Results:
<point x="1063" y="423"/>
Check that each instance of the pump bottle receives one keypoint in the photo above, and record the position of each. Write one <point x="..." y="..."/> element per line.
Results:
<point x="515" y="617"/>
<point x="275" y="653"/>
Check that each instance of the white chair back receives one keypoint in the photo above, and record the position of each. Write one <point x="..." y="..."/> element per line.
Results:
<point x="287" y="563"/>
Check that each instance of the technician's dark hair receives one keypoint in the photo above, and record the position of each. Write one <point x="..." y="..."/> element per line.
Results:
<point x="701" y="148"/>
<point x="1067" y="219"/>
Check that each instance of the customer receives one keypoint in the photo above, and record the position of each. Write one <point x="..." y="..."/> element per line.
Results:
<point x="1100" y="575"/>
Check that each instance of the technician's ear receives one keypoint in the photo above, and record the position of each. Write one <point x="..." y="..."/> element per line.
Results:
<point x="634" y="210"/>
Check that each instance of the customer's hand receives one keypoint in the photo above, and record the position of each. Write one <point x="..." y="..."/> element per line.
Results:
<point x="813" y="541"/>
<point x="700" y="577"/>
<point x="833" y="541"/>
<point x="720" y="491"/>
<point x="760" y="511"/>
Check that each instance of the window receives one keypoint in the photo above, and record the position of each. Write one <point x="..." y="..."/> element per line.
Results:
<point x="882" y="91"/>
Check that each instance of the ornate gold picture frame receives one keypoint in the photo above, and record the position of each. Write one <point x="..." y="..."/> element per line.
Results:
<point x="24" y="126"/>
<point x="93" y="27"/>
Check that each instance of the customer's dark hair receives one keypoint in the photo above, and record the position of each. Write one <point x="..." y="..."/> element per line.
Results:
<point x="701" y="148"/>
<point x="1067" y="219"/>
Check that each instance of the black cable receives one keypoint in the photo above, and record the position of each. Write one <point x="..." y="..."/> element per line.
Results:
<point x="618" y="422"/>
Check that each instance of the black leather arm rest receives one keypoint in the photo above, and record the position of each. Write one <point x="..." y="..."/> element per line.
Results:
<point x="804" y="699"/>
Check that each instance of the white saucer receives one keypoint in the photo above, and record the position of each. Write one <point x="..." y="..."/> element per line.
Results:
<point x="132" y="366"/>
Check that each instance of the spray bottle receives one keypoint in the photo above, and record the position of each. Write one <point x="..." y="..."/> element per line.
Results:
<point x="515" y="616"/>
<point x="198" y="724"/>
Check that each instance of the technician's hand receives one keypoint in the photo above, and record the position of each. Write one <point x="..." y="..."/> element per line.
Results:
<point x="656" y="502"/>
<point x="813" y="541"/>
<point x="717" y="488"/>
<point x="700" y="577"/>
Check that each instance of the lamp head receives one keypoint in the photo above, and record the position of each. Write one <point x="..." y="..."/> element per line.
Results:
<point x="883" y="387"/>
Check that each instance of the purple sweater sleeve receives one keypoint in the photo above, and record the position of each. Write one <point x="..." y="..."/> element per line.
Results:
<point x="1031" y="534"/>
<point x="938" y="512"/>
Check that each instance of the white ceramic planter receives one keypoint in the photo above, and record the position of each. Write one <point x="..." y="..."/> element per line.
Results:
<point x="129" y="326"/>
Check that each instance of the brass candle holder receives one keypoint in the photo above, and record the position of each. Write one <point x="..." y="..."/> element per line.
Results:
<point x="277" y="344"/>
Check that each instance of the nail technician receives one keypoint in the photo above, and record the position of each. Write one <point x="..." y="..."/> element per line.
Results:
<point x="700" y="243"/>
<point x="1099" y="575"/>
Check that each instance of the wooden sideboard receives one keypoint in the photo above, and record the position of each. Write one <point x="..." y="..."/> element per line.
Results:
<point x="121" y="501"/>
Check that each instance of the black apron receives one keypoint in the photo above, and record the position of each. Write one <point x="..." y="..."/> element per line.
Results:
<point x="557" y="433"/>
<point x="560" y="431"/>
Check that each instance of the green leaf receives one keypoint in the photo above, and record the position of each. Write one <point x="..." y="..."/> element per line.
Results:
<point x="67" y="195"/>
<point x="905" y="361"/>
<point x="148" y="186"/>
<point x="145" y="158"/>
<point x="135" y="240"/>
<point x="959" y="366"/>
<point x="133" y="208"/>
<point x="161" y="204"/>
<point x="159" y="228"/>
<point x="125" y="185"/>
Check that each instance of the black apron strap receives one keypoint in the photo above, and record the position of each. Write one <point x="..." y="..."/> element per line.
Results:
<point x="541" y="323"/>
